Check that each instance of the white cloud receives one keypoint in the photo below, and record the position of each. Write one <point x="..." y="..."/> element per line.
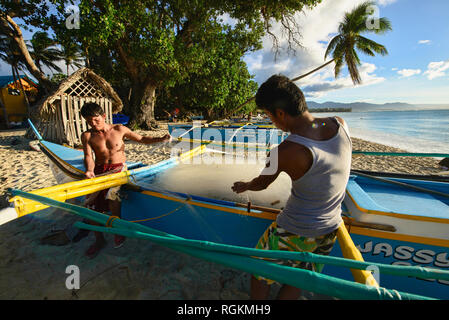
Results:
<point x="437" y="69"/>
<point x="317" y="26"/>
<point x="424" y="42"/>
<point x="319" y="87"/>
<point x="409" y="72"/>
<point x="385" y="2"/>
<point x="394" y="69"/>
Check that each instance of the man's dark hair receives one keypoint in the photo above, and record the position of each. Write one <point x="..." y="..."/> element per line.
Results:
<point x="91" y="109"/>
<point x="278" y="92"/>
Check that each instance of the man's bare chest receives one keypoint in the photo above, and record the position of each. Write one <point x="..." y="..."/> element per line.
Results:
<point x="106" y="141"/>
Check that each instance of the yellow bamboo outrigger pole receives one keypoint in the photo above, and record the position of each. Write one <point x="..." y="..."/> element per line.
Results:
<point x="70" y="190"/>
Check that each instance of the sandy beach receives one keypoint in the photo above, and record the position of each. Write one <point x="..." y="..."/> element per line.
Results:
<point x="139" y="269"/>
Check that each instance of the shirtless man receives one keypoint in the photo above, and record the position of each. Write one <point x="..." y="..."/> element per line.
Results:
<point x="106" y="143"/>
<point x="317" y="157"/>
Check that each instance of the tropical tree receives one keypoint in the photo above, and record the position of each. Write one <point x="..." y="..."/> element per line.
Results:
<point x="343" y="47"/>
<point x="44" y="51"/>
<point x="32" y="13"/>
<point x="223" y="83"/>
<point x="10" y="53"/>
<point x="158" y="44"/>
<point x="71" y="53"/>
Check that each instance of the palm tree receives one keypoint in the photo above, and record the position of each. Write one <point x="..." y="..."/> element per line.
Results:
<point x="343" y="47"/>
<point x="71" y="54"/>
<point x="10" y="53"/>
<point x="44" y="51"/>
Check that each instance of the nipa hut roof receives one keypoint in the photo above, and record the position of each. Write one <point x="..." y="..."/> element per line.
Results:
<point x="46" y="106"/>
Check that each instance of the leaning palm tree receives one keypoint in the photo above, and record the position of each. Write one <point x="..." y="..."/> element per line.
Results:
<point x="343" y="47"/>
<point x="44" y="51"/>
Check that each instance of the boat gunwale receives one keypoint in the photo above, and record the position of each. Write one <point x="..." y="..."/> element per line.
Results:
<point x="397" y="236"/>
<point x="392" y="214"/>
<point x="213" y="205"/>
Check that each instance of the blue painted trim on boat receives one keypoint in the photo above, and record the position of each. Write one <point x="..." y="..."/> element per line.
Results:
<point x="368" y="194"/>
<point x="39" y="137"/>
<point x="362" y="198"/>
<point x="397" y="252"/>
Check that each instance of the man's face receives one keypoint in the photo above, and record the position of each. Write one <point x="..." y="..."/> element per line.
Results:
<point x="96" y="122"/>
<point x="277" y="119"/>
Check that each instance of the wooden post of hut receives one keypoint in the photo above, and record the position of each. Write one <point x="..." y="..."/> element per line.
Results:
<point x="60" y="119"/>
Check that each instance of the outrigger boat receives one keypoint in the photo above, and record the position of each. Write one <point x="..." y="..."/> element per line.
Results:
<point x="393" y="223"/>
<point x="245" y="134"/>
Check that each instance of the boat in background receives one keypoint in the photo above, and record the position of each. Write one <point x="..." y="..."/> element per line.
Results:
<point x="245" y="134"/>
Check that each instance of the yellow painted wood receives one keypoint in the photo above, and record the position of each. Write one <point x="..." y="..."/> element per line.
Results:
<point x="350" y="251"/>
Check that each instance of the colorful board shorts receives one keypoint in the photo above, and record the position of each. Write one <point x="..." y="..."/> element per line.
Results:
<point x="277" y="238"/>
<point x="98" y="201"/>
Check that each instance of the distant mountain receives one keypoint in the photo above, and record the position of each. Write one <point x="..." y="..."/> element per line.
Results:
<point x="363" y="106"/>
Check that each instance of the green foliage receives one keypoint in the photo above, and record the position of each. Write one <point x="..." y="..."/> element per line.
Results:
<point x="32" y="12"/>
<point x="349" y="39"/>
<point x="44" y="51"/>
<point x="57" y="78"/>
<point x="222" y="81"/>
<point x="180" y="46"/>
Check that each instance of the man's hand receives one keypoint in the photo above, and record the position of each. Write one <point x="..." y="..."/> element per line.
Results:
<point x="89" y="174"/>
<point x="240" y="187"/>
<point x="166" y="138"/>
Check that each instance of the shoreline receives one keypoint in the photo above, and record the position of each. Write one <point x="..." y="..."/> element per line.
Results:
<point x="138" y="270"/>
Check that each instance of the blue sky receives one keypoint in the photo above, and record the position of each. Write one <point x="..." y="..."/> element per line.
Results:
<point x="416" y="70"/>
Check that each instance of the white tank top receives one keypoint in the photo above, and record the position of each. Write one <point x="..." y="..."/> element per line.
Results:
<point x="314" y="206"/>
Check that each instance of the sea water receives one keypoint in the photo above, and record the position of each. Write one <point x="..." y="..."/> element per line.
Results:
<point x="414" y="130"/>
<point x="211" y="175"/>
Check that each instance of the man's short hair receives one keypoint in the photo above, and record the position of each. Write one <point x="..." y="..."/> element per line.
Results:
<point x="91" y="109"/>
<point x="278" y="92"/>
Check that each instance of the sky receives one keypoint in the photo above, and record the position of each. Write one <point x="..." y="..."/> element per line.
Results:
<point x="416" y="69"/>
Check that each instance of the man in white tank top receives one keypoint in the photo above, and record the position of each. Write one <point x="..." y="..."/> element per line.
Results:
<point x="317" y="157"/>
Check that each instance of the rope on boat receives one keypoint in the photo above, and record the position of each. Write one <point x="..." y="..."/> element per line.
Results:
<point x="186" y="201"/>
<point x="242" y="258"/>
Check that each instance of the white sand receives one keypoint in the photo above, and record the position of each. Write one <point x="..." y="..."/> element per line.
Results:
<point x="138" y="270"/>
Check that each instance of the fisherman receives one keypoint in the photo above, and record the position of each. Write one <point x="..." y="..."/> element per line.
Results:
<point x="106" y="143"/>
<point x="317" y="157"/>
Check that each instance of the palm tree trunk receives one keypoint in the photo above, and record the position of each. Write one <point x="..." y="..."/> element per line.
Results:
<point x="312" y="71"/>
<point x="13" y="74"/>
<point x="15" y="34"/>
<point x="5" y="114"/>
<point x="23" y="92"/>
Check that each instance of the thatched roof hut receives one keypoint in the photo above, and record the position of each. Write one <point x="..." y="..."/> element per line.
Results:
<point x="59" y="114"/>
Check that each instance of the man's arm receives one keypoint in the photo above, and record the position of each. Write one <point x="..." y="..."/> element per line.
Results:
<point x="88" y="159"/>
<point x="141" y="139"/>
<point x="289" y="157"/>
<point x="265" y="178"/>
<point x="260" y="183"/>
